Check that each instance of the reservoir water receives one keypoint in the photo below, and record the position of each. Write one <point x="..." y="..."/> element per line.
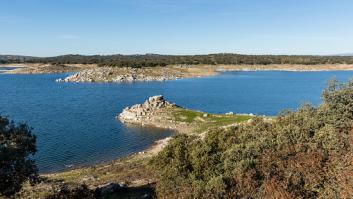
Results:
<point x="75" y="122"/>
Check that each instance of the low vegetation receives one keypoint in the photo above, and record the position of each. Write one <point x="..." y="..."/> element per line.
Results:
<point x="303" y="154"/>
<point x="152" y="60"/>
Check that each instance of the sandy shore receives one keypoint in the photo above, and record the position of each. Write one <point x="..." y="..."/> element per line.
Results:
<point x="286" y="67"/>
<point x="45" y="68"/>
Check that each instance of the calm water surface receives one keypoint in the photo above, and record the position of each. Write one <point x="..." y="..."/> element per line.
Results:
<point x="75" y="123"/>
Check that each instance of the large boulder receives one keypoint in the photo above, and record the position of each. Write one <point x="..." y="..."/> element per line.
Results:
<point x="109" y="189"/>
<point x="139" y="112"/>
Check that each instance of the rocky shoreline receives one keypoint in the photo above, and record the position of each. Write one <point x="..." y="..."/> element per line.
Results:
<point x="117" y="75"/>
<point x="93" y="73"/>
<point x="146" y="74"/>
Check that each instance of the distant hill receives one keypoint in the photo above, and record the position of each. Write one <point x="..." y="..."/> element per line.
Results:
<point x="16" y="59"/>
<point x="151" y="60"/>
<point x="345" y="54"/>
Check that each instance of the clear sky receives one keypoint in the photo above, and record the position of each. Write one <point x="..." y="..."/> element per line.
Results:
<point x="54" y="27"/>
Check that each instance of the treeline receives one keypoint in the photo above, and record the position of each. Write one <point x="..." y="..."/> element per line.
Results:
<point x="151" y="60"/>
<point x="303" y="154"/>
<point x="9" y="59"/>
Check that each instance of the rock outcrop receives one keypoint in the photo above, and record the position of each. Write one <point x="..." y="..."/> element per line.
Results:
<point x="109" y="188"/>
<point x="140" y="113"/>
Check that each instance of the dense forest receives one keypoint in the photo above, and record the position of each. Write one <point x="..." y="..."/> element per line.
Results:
<point x="152" y="60"/>
<point x="302" y="154"/>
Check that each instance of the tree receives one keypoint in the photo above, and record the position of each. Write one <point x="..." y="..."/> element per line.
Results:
<point x="17" y="147"/>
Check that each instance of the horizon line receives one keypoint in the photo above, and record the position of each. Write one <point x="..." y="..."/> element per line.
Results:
<point x="201" y="54"/>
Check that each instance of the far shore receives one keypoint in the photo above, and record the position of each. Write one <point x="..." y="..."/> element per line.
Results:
<point x="175" y="71"/>
<point x="37" y="68"/>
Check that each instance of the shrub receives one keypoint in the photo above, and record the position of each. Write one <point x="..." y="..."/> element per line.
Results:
<point x="66" y="191"/>
<point x="17" y="147"/>
<point x="301" y="154"/>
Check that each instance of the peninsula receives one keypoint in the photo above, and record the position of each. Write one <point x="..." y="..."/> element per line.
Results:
<point x="157" y="112"/>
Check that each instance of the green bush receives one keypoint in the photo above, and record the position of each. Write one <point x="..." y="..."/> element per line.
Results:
<point x="72" y="192"/>
<point x="301" y="154"/>
<point x="17" y="147"/>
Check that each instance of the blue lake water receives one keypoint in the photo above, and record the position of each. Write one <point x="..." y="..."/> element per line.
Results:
<point x="75" y="122"/>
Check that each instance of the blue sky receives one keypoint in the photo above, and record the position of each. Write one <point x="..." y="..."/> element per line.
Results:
<point x="54" y="27"/>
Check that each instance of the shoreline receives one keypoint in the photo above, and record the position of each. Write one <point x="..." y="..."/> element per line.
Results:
<point x="284" y="70"/>
<point x="93" y="73"/>
<point x="131" y="172"/>
<point x="37" y="68"/>
<point x="150" y="150"/>
<point x="156" y="110"/>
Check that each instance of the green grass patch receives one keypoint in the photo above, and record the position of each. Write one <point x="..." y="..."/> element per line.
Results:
<point x="184" y="115"/>
<point x="204" y="121"/>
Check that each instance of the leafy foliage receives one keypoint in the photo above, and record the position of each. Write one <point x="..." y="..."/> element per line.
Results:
<point x="17" y="146"/>
<point x="301" y="154"/>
